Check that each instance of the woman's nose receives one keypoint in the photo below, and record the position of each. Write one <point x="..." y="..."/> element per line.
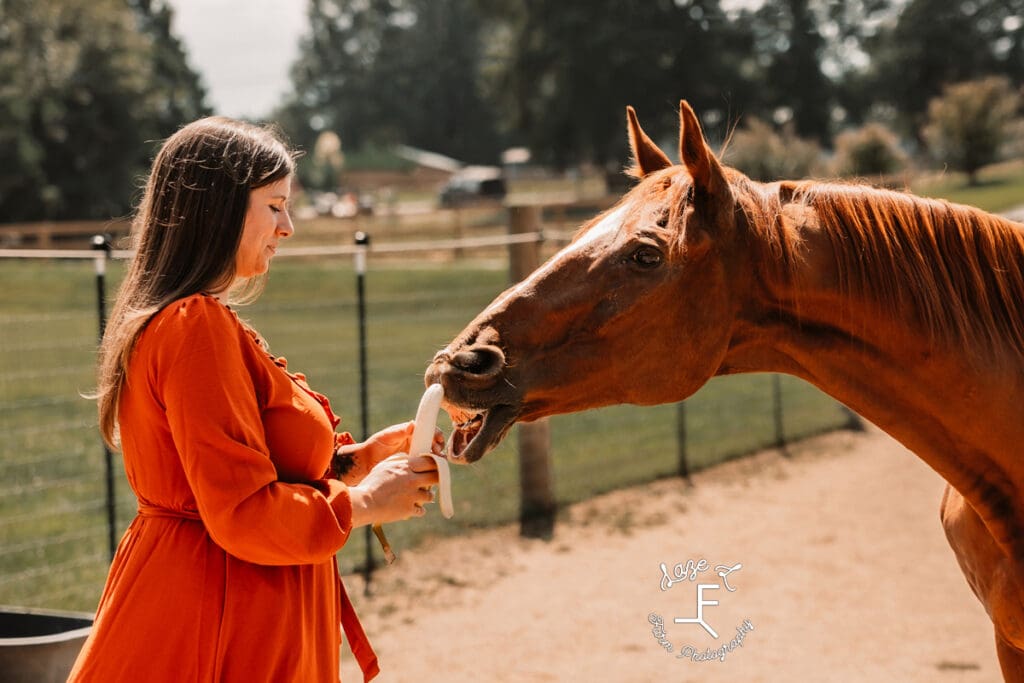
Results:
<point x="284" y="225"/>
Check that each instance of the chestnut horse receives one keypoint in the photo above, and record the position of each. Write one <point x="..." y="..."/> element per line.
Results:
<point x="908" y="310"/>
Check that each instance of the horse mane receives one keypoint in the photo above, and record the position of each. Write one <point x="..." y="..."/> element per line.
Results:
<point x="957" y="269"/>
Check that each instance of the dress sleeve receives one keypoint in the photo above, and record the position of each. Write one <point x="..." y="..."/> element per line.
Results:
<point x="210" y="397"/>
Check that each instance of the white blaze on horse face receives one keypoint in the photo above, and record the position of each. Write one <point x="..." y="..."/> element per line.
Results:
<point x="609" y="225"/>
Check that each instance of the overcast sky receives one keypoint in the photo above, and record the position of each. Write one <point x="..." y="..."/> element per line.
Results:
<point x="242" y="49"/>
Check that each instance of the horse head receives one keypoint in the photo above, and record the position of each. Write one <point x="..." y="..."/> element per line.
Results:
<point x="636" y="309"/>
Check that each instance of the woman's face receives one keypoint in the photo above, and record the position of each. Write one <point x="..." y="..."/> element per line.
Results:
<point x="266" y="223"/>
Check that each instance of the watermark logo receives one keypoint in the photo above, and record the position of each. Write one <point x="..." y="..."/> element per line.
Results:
<point x="700" y="577"/>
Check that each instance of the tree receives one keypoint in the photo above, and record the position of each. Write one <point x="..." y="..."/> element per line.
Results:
<point x="766" y="155"/>
<point x="871" y="150"/>
<point x="82" y="102"/>
<point x="793" y="47"/>
<point x="936" y="42"/>
<point x="382" y="72"/>
<point x="969" y="123"/>
<point x="179" y="96"/>
<point x="848" y="30"/>
<point x="562" y="73"/>
<point x="464" y="77"/>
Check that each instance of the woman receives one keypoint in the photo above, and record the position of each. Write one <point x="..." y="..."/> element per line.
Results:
<point x="245" y="491"/>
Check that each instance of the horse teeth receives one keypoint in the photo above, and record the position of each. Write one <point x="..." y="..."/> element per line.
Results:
<point x="469" y="423"/>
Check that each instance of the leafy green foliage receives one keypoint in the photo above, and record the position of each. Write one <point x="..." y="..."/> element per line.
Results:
<point x="871" y="150"/>
<point x="383" y="72"/>
<point x="937" y="42"/>
<point x="968" y="125"/>
<point x="766" y="154"/>
<point x="794" y="78"/>
<point x="88" y="85"/>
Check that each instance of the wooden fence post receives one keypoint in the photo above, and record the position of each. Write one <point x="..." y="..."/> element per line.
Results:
<point x="777" y="414"/>
<point x="536" y="484"/>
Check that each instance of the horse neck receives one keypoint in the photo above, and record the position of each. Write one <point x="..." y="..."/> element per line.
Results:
<point x="955" y="410"/>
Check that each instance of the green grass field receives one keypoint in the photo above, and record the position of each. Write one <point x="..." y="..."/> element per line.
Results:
<point x="53" y="532"/>
<point x="53" y="538"/>
<point x="1000" y="187"/>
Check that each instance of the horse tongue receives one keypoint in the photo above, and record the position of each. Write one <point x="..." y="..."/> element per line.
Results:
<point x="461" y="435"/>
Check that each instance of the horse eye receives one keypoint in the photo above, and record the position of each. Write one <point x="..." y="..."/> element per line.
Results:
<point x="663" y="221"/>
<point x="647" y="257"/>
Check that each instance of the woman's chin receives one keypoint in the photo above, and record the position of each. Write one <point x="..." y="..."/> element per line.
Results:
<point x="249" y="273"/>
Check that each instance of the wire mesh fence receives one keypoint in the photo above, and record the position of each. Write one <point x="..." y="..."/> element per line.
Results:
<point x="53" y="519"/>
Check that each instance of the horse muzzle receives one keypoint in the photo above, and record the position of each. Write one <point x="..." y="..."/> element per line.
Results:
<point x="478" y="396"/>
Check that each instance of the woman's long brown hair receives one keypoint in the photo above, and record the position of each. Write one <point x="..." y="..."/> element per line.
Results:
<point x="185" y="233"/>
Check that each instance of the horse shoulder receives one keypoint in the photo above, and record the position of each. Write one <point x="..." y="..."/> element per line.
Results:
<point x="995" y="578"/>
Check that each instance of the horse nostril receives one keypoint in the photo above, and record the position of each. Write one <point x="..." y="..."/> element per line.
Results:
<point x="482" y="361"/>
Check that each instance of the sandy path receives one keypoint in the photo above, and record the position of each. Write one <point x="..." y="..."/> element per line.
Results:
<point x="846" y="576"/>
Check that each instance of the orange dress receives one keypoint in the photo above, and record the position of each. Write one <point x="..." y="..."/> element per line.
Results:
<point x="228" y="572"/>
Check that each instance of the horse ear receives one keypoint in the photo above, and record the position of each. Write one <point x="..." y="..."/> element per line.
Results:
<point x="647" y="155"/>
<point x="695" y="153"/>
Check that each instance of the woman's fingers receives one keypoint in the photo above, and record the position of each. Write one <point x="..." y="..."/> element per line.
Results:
<point x="397" y="488"/>
<point x="396" y="437"/>
<point x="422" y="464"/>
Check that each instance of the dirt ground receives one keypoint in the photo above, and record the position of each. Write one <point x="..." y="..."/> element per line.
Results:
<point x="845" y="576"/>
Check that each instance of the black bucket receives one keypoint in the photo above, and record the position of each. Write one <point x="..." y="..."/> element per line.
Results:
<point x="40" y="646"/>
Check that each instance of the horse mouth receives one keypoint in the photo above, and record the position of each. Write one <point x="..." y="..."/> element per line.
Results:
<point x="476" y="434"/>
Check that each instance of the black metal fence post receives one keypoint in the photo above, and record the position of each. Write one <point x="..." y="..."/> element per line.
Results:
<point x="684" y="456"/>
<point x="101" y="243"/>
<point x="362" y="240"/>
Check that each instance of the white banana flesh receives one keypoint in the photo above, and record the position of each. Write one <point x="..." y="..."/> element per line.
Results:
<point x="423" y="440"/>
<point x="421" y="443"/>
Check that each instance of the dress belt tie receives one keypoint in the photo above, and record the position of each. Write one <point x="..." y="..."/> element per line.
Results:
<point x="354" y="634"/>
<point x="149" y="510"/>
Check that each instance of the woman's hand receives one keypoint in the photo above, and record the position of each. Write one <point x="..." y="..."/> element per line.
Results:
<point x="382" y="445"/>
<point x="396" y="489"/>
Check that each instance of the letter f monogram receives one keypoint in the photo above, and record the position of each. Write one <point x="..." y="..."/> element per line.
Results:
<point x="699" y="619"/>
